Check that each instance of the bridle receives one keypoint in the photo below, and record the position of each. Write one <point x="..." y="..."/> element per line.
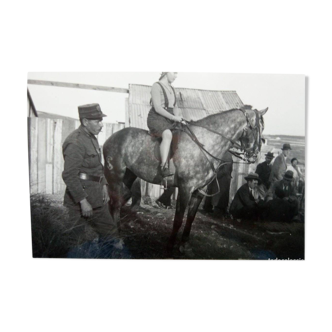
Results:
<point x="246" y="152"/>
<point x="254" y="131"/>
<point x="244" y="155"/>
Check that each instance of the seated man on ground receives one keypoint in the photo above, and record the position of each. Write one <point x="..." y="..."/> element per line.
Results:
<point x="246" y="204"/>
<point x="282" y="204"/>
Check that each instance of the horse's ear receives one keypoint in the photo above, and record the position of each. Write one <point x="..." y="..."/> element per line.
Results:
<point x="263" y="111"/>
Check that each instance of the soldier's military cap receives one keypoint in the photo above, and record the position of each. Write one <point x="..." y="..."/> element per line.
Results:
<point x="90" y="112"/>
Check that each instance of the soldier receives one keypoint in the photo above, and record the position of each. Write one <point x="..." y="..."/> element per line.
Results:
<point x="86" y="194"/>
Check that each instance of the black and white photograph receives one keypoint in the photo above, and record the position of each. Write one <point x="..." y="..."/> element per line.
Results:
<point x="167" y="165"/>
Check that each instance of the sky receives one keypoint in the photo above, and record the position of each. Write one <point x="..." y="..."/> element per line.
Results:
<point x="284" y="95"/>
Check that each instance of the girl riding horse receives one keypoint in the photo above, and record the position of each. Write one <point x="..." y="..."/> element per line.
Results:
<point x="163" y="115"/>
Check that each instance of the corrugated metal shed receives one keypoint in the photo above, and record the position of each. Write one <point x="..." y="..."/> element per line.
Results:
<point x="195" y="104"/>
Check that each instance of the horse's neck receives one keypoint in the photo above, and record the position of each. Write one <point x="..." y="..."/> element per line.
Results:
<point x="229" y="124"/>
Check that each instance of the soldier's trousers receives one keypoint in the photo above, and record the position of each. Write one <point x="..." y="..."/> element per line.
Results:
<point x="101" y="222"/>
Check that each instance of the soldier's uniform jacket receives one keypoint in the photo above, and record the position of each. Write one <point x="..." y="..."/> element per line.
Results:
<point x="81" y="153"/>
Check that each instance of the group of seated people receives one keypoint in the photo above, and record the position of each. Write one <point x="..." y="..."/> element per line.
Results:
<point x="272" y="193"/>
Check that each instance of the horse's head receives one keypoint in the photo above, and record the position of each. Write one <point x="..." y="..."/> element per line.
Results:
<point x="251" y="139"/>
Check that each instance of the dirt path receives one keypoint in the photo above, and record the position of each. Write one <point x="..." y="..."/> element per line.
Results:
<point x="146" y="233"/>
<point x="147" y="230"/>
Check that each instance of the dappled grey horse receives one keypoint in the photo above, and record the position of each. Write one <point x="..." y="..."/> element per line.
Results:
<point x="200" y="146"/>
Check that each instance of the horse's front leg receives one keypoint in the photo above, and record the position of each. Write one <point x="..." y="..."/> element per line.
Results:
<point x="194" y="203"/>
<point x="181" y="205"/>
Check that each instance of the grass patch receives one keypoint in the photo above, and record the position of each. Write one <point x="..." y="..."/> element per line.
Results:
<point x="52" y="231"/>
<point x="54" y="236"/>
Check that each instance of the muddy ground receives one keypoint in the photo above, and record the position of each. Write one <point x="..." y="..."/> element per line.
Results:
<point x="147" y="230"/>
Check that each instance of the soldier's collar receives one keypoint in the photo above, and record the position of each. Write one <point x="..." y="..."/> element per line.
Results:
<point x="86" y="132"/>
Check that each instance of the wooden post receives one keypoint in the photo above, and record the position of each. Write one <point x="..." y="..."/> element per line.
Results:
<point x="41" y="156"/>
<point x="49" y="156"/>
<point x="57" y="156"/>
<point x="127" y="112"/>
<point x="33" y="155"/>
<point x="109" y="130"/>
<point x="27" y="106"/>
<point x="77" y="124"/>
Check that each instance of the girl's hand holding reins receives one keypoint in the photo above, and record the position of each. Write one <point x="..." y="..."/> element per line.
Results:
<point x="177" y="118"/>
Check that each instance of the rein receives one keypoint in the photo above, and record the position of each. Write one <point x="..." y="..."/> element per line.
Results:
<point x="234" y="143"/>
<point x="192" y="123"/>
<point x="215" y="170"/>
<point x="204" y="151"/>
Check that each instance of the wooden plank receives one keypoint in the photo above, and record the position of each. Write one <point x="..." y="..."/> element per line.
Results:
<point x="49" y="140"/>
<point x="33" y="155"/>
<point x="143" y="188"/>
<point x="49" y="178"/>
<point x="116" y="127"/>
<point x="148" y="188"/>
<point x="240" y="171"/>
<point x="128" y="114"/>
<point x="109" y="129"/>
<point x="42" y="156"/>
<point x="57" y="156"/>
<point x="49" y="155"/>
<point x="78" y="86"/>
<point x="126" y="111"/>
<point x="234" y="181"/>
<point x="68" y="126"/>
<point x="102" y="136"/>
<point x="156" y="191"/>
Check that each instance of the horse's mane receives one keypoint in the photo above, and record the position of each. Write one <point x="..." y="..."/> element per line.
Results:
<point x="244" y="107"/>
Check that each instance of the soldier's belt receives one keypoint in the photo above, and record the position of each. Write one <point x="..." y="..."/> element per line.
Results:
<point x="84" y="176"/>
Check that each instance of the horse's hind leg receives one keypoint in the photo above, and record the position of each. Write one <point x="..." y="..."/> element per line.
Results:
<point x="114" y="173"/>
<point x="115" y="191"/>
<point x="129" y="179"/>
<point x="194" y="203"/>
